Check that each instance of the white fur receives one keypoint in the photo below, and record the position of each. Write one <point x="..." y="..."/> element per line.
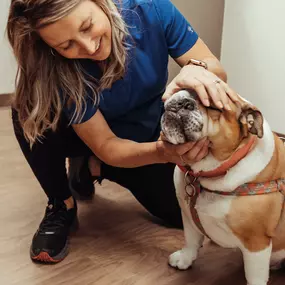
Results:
<point x="213" y="209"/>
<point x="256" y="265"/>
<point x="183" y="259"/>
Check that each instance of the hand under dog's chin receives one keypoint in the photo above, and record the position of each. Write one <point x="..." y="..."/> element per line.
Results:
<point x="174" y="138"/>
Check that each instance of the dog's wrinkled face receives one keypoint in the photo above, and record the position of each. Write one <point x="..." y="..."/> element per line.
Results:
<point x="182" y="120"/>
<point x="186" y="119"/>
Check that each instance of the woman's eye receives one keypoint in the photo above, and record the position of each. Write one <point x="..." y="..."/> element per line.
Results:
<point x="69" y="46"/>
<point x="87" y="29"/>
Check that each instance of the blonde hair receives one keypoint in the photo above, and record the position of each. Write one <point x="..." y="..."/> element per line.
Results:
<point x="44" y="81"/>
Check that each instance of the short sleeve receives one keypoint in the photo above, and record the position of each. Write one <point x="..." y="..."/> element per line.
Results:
<point x="180" y="35"/>
<point x="87" y="111"/>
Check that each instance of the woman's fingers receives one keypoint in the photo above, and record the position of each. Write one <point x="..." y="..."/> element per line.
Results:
<point x="230" y="92"/>
<point x="184" y="153"/>
<point x="203" y="152"/>
<point x="162" y="137"/>
<point x="201" y="91"/>
<point x="183" y="148"/>
<point x="207" y="88"/>
<point x="170" y="90"/>
<point x="206" y="84"/>
<point x="219" y="92"/>
<point x="223" y="96"/>
<point x="196" y="151"/>
<point x="174" y="150"/>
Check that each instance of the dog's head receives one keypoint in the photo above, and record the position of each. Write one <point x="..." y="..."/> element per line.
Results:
<point x="186" y="119"/>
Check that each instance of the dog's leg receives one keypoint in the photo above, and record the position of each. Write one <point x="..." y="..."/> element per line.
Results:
<point x="256" y="265"/>
<point x="183" y="259"/>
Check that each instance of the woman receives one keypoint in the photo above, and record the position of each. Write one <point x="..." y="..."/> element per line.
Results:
<point x="90" y="81"/>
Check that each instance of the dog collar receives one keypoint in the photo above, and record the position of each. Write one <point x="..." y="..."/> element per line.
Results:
<point x="250" y="189"/>
<point x="237" y="156"/>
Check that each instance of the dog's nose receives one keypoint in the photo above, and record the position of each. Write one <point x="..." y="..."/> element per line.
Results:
<point x="189" y="105"/>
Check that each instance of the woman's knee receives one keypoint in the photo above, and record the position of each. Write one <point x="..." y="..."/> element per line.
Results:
<point x="169" y="213"/>
<point x="172" y="218"/>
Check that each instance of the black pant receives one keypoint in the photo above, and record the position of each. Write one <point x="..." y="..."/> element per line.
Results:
<point x="151" y="185"/>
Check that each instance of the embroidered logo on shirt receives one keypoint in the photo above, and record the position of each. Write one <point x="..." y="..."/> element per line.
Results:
<point x="190" y="29"/>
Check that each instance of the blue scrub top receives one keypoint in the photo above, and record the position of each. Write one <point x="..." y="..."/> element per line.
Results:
<point x="132" y="106"/>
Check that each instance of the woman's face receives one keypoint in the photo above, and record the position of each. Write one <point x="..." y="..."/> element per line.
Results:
<point x="84" y="33"/>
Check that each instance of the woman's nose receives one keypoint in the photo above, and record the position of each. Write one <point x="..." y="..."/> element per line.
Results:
<point x="88" y="45"/>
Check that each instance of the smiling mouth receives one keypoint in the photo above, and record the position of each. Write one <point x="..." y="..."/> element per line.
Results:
<point x="97" y="45"/>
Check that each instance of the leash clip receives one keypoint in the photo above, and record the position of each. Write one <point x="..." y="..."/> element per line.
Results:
<point x="190" y="188"/>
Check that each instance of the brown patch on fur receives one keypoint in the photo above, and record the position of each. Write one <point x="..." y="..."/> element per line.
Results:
<point x="257" y="219"/>
<point x="228" y="135"/>
<point x="275" y="170"/>
<point x="253" y="219"/>
<point x="230" y="132"/>
<point x="233" y="126"/>
<point x="279" y="236"/>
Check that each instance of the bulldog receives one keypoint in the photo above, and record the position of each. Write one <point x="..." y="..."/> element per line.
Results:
<point x="235" y="195"/>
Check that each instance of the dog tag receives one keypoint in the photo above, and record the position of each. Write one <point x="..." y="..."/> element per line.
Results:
<point x="190" y="192"/>
<point x="190" y="187"/>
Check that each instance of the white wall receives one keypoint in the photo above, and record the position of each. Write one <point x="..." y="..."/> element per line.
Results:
<point x="7" y="62"/>
<point x="206" y="17"/>
<point x="253" y="53"/>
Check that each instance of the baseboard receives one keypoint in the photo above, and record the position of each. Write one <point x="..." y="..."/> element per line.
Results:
<point x="5" y="100"/>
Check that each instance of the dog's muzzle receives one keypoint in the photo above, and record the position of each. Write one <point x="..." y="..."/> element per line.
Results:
<point x="182" y="120"/>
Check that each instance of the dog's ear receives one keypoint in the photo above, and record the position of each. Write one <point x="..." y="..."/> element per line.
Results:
<point x="251" y="120"/>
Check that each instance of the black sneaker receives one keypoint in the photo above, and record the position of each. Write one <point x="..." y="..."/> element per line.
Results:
<point x="80" y="179"/>
<point x="50" y="242"/>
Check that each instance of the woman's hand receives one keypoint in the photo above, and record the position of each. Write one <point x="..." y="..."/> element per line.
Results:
<point x="183" y="154"/>
<point x="207" y="85"/>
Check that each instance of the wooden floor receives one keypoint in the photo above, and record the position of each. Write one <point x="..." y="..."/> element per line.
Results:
<point x="117" y="242"/>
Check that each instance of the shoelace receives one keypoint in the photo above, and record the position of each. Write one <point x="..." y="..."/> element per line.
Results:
<point x="55" y="218"/>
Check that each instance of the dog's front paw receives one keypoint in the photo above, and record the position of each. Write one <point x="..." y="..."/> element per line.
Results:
<point x="182" y="259"/>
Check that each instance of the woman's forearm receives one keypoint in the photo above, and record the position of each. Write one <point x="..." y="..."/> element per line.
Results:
<point x="118" y="152"/>
<point x="125" y="153"/>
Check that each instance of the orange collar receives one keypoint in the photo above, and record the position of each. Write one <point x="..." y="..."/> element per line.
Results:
<point x="237" y="156"/>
